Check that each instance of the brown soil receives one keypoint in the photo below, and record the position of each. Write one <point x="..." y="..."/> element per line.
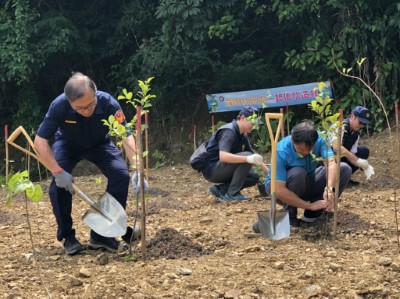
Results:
<point x="199" y="248"/>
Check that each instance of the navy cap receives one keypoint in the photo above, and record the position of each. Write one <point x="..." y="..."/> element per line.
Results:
<point x="249" y="111"/>
<point x="363" y="114"/>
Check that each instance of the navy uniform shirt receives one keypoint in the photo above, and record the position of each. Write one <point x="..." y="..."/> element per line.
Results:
<point x="65" y="123"/>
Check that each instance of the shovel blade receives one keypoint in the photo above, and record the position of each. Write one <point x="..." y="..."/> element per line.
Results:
<point x="111" y="222"/>
<point x="274" y="228"/>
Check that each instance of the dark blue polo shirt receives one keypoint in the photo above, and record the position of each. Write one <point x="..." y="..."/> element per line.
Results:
<point x="66" y="124"/>
<point x="349" y="137"/>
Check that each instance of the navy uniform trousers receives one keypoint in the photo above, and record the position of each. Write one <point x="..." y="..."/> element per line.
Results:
<point x="233" y="177"/>
<point x="105" y="156"/>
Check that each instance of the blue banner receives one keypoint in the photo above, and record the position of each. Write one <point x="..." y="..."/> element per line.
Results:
<point x="268" y="98"/>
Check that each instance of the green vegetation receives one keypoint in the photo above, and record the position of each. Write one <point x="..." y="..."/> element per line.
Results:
<point x="20" y="183"/>
<point x="193" y="48"/>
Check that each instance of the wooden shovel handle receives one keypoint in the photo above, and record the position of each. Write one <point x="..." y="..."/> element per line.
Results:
<point x="274" y="141"/>
<point x="14" y="135"/>
<point x="20" y="130"/>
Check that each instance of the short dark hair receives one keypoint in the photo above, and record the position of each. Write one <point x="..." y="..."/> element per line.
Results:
<point x="305" y="132"/>
<point x="77" y="85"/>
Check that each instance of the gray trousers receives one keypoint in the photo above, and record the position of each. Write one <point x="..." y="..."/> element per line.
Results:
<point x="233" y="177"/>
<point x="311" y="187"/>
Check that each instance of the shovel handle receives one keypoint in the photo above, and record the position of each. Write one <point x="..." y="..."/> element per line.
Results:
<point x="20" y="130"/>
<point x="14" y="135"/>
<point x="274" y="141"/>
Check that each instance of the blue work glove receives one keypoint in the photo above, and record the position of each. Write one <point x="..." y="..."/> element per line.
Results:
<point x="64" y="180"/>
<point x="135" y="180"/>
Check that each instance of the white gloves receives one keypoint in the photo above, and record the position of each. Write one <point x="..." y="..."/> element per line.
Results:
<point x="255" y="159"/>
<point x="364" y="165"/>
<point x="369" y="171"/>
<point x="135" y="180"/>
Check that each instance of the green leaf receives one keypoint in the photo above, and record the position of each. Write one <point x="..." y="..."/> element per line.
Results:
<point x="360" y="62"/>
<point x="23" y="185"/>
<point x="35" y="193"/>
<point x="129" y="95"/>
<point x="15" y="179"/>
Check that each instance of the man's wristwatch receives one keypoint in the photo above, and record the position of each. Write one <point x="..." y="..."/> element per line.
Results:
<point x="330" y="189"/>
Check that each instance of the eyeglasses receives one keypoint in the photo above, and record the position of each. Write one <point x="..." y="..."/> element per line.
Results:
<point x="88" y="107"/>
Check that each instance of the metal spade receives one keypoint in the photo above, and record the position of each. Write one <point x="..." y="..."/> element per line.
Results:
<point x="106" y="216"/>
<point x="274" y="224"/>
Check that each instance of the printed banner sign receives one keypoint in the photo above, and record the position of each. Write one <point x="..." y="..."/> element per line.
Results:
<point x="268" y="98"/>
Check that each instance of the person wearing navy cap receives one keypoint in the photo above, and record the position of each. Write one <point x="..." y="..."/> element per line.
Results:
<point x="231" y="158"/>
<point x="74" y="119"/>
<point x="355" y="155"/>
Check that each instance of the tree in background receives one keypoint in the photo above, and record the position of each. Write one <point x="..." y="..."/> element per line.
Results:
<point x="192" y="47"/>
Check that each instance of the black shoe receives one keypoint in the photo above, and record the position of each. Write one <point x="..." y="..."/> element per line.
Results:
<point x="135" y="231"/>
<point x="311" y="216"/>
<point x="294" y="222"/>
<point x="214" y="190"/>
<point x="355" y="183"/>
<point x="99" y="242"/>
<point x="72" y="245"/>
<point x="352" y="184"/>
<point x="256" y="227"/>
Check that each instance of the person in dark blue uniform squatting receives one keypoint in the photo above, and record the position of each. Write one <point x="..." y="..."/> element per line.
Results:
<point x="231" y="158"/>
<point x="75" y="118"/>
<point x="354" y="154"/>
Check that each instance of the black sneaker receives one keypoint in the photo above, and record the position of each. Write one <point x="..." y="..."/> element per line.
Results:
<point x="311" y="216"/>
<point x="294" y="222"/>
<point x="71" y="245"/>
<point x="352" y="184"/>
<point x="135" y="231"/>
<point x="214" y="190"/>
<point x="99" y="242"/>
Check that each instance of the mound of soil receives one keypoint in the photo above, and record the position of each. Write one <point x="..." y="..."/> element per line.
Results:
<point x="171" y="244"/>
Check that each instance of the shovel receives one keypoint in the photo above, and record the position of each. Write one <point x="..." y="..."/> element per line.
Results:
<point x="274" y="224"/>
<point x="106" y="216"/>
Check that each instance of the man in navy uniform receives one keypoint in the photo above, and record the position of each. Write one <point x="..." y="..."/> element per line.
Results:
<point x="355" y="155"/>
<point x="74" y="119"/>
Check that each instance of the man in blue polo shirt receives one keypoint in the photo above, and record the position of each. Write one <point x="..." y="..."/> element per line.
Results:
<point x="301" y="179"/>
<point x="74" y="119"/>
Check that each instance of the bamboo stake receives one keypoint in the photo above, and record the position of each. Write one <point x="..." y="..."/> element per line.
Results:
<point x="337" y="183"/>
<point x="146" y="121"/>
<point x="363" y="97"/>
<point x="6" y="147"/>
<point x="287" y="118"/>
<point x="194" y="138"/>
<point x="396" y="108"/>
<point x="282" y="127"/>
<point x="140" y="154"/>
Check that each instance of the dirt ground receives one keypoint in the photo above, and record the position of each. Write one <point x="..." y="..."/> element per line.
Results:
<point x="199" y="248"/>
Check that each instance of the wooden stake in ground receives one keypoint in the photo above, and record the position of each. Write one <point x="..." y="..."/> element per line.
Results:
<point x="141" y="170"/>
<point x="6" y="146"/>
<point x="338" y="159"/>
<point x="194" y="138"/>
<point x="146" y="132"/>
<point x="396" y="108"/>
